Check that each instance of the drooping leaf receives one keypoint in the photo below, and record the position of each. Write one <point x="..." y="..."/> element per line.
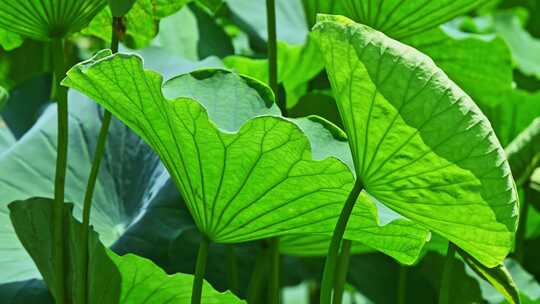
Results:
<point x="236" y="213"/>
<point x="420" y="144"/>
<point x="141" y="22"/>
<point x="46" y="19"/>
<point x="9" y="40"/>
<point x="524" y="152"/>
<point x="400" y="19"/>
<point x="297" y="65"/>
<point x="120" y="7"/>
<point x="125" y="279"/>
<point x="497" y="276"/>
<point x="125" y="183"/>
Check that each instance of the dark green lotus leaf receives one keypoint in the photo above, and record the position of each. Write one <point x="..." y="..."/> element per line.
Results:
<point x="420" y="145"/>
<point x="125" y="279"/>
<point x="46" y="19"/>
<point x="120" y="7"/>
<point x="524" y="152"/>
<point x="249" y="204"/>
<point x="4" y="95"/>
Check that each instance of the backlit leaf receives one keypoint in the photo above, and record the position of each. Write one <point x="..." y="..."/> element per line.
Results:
<point x="419" y="143"/>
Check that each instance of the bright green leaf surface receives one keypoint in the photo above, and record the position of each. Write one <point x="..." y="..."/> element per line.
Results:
<point x="9" y="40"/>
<point x="497" y="276"/>
<point x="299" y="195"/>
<point x="400" y="19"/>
<point x="46" y="19"/>
<point x="524" y="152"/>
<point x="128" y="173"/>
<point x="431" y="154"/>
<point x="297" y="65"/>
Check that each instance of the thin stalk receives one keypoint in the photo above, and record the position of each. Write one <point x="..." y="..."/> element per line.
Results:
<point x="402" y="285"/>
<point x="446" y="282"/>
<point x="273" y="254"/>
<point x="200" y="269"/>
<point x="257" y="277"/>
<point x="272" y="52"/>
<point x="232" y="268"/>
<point x="331" y="258"/>
<point x="59" y="94"/>
<point x="522" y="226"/>
<point x="341" y="271"/>
<point x="91" y="184"/>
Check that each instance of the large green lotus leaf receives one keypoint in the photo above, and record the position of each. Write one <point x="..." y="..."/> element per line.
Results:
<point x="125" y="279"/>
<point x="479" y="64"/>
<point x="252" y="202"/>
<point x="420" y="144"/>
<point x="9" y="40"/>
<point x="297" y="65"/>
<point x="400" y="19"/>
<point x="524" y="152"/>
<point x="120" y="7"/>
<point x="46" y="19"/>
<point x="141" y="22"/>
<point x="128" y="175"/>
<point x="313" y="245"/>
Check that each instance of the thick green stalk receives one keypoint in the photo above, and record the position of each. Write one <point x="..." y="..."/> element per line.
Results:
<point x="232" y="268"/>
<point x="341" y="271"/>
<point x="331" y="258"/>
<point x="402" y="285"/>
<point x="59" y="94"/>
<point x="273" y="254"/>
<point x="96" y="164"/>
<point x="258" y="276"/>
<point x="272" y="53"/>
<point x="446" y="282"/>
<point x="522" y="226"/>
<point x="200" y="269"/>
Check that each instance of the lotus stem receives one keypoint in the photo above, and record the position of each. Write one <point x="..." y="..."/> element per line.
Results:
<point x="331" y="259"/>
<point x="257" y="275"/>
<point x="402" y="285"/>
<point x="273" y="289"/>
<point x="232" y="268"/>
<point x="59" y="94"/>
<point x="342" y="270"/>
<point x="200" y="269"/>
<point x="446" y="281"/>
<point x="272" y="53"/>
<point x="94" y="171"/>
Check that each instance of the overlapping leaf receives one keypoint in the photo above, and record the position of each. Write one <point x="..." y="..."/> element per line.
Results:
<point x="436" y="160"/>
<point x="113" y="279"/>
<point x="225" y="176"/>
<point x="524" y="152"/>
<point x="46" y="19"/>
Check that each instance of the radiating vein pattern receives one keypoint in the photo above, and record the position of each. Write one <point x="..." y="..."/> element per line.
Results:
<point x="420" y="144"/>
<point x="404" y="18"/>
<point x="258" y="182"/>
<point x="45" y="19"/>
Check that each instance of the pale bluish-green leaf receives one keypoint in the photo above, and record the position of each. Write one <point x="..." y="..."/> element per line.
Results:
<point x="420" y="144"/>
<point x="225" y="176"/>
<point x="297" y="65"/>
<point x="524" y="152"/>
<point x="9" y="40"/>
<point x="46" y="19"/>
<point x="400" y="19"/>
<point x="6" y="137"/>
<point x="125" y="182"/>
<point x="120" y="7"/>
